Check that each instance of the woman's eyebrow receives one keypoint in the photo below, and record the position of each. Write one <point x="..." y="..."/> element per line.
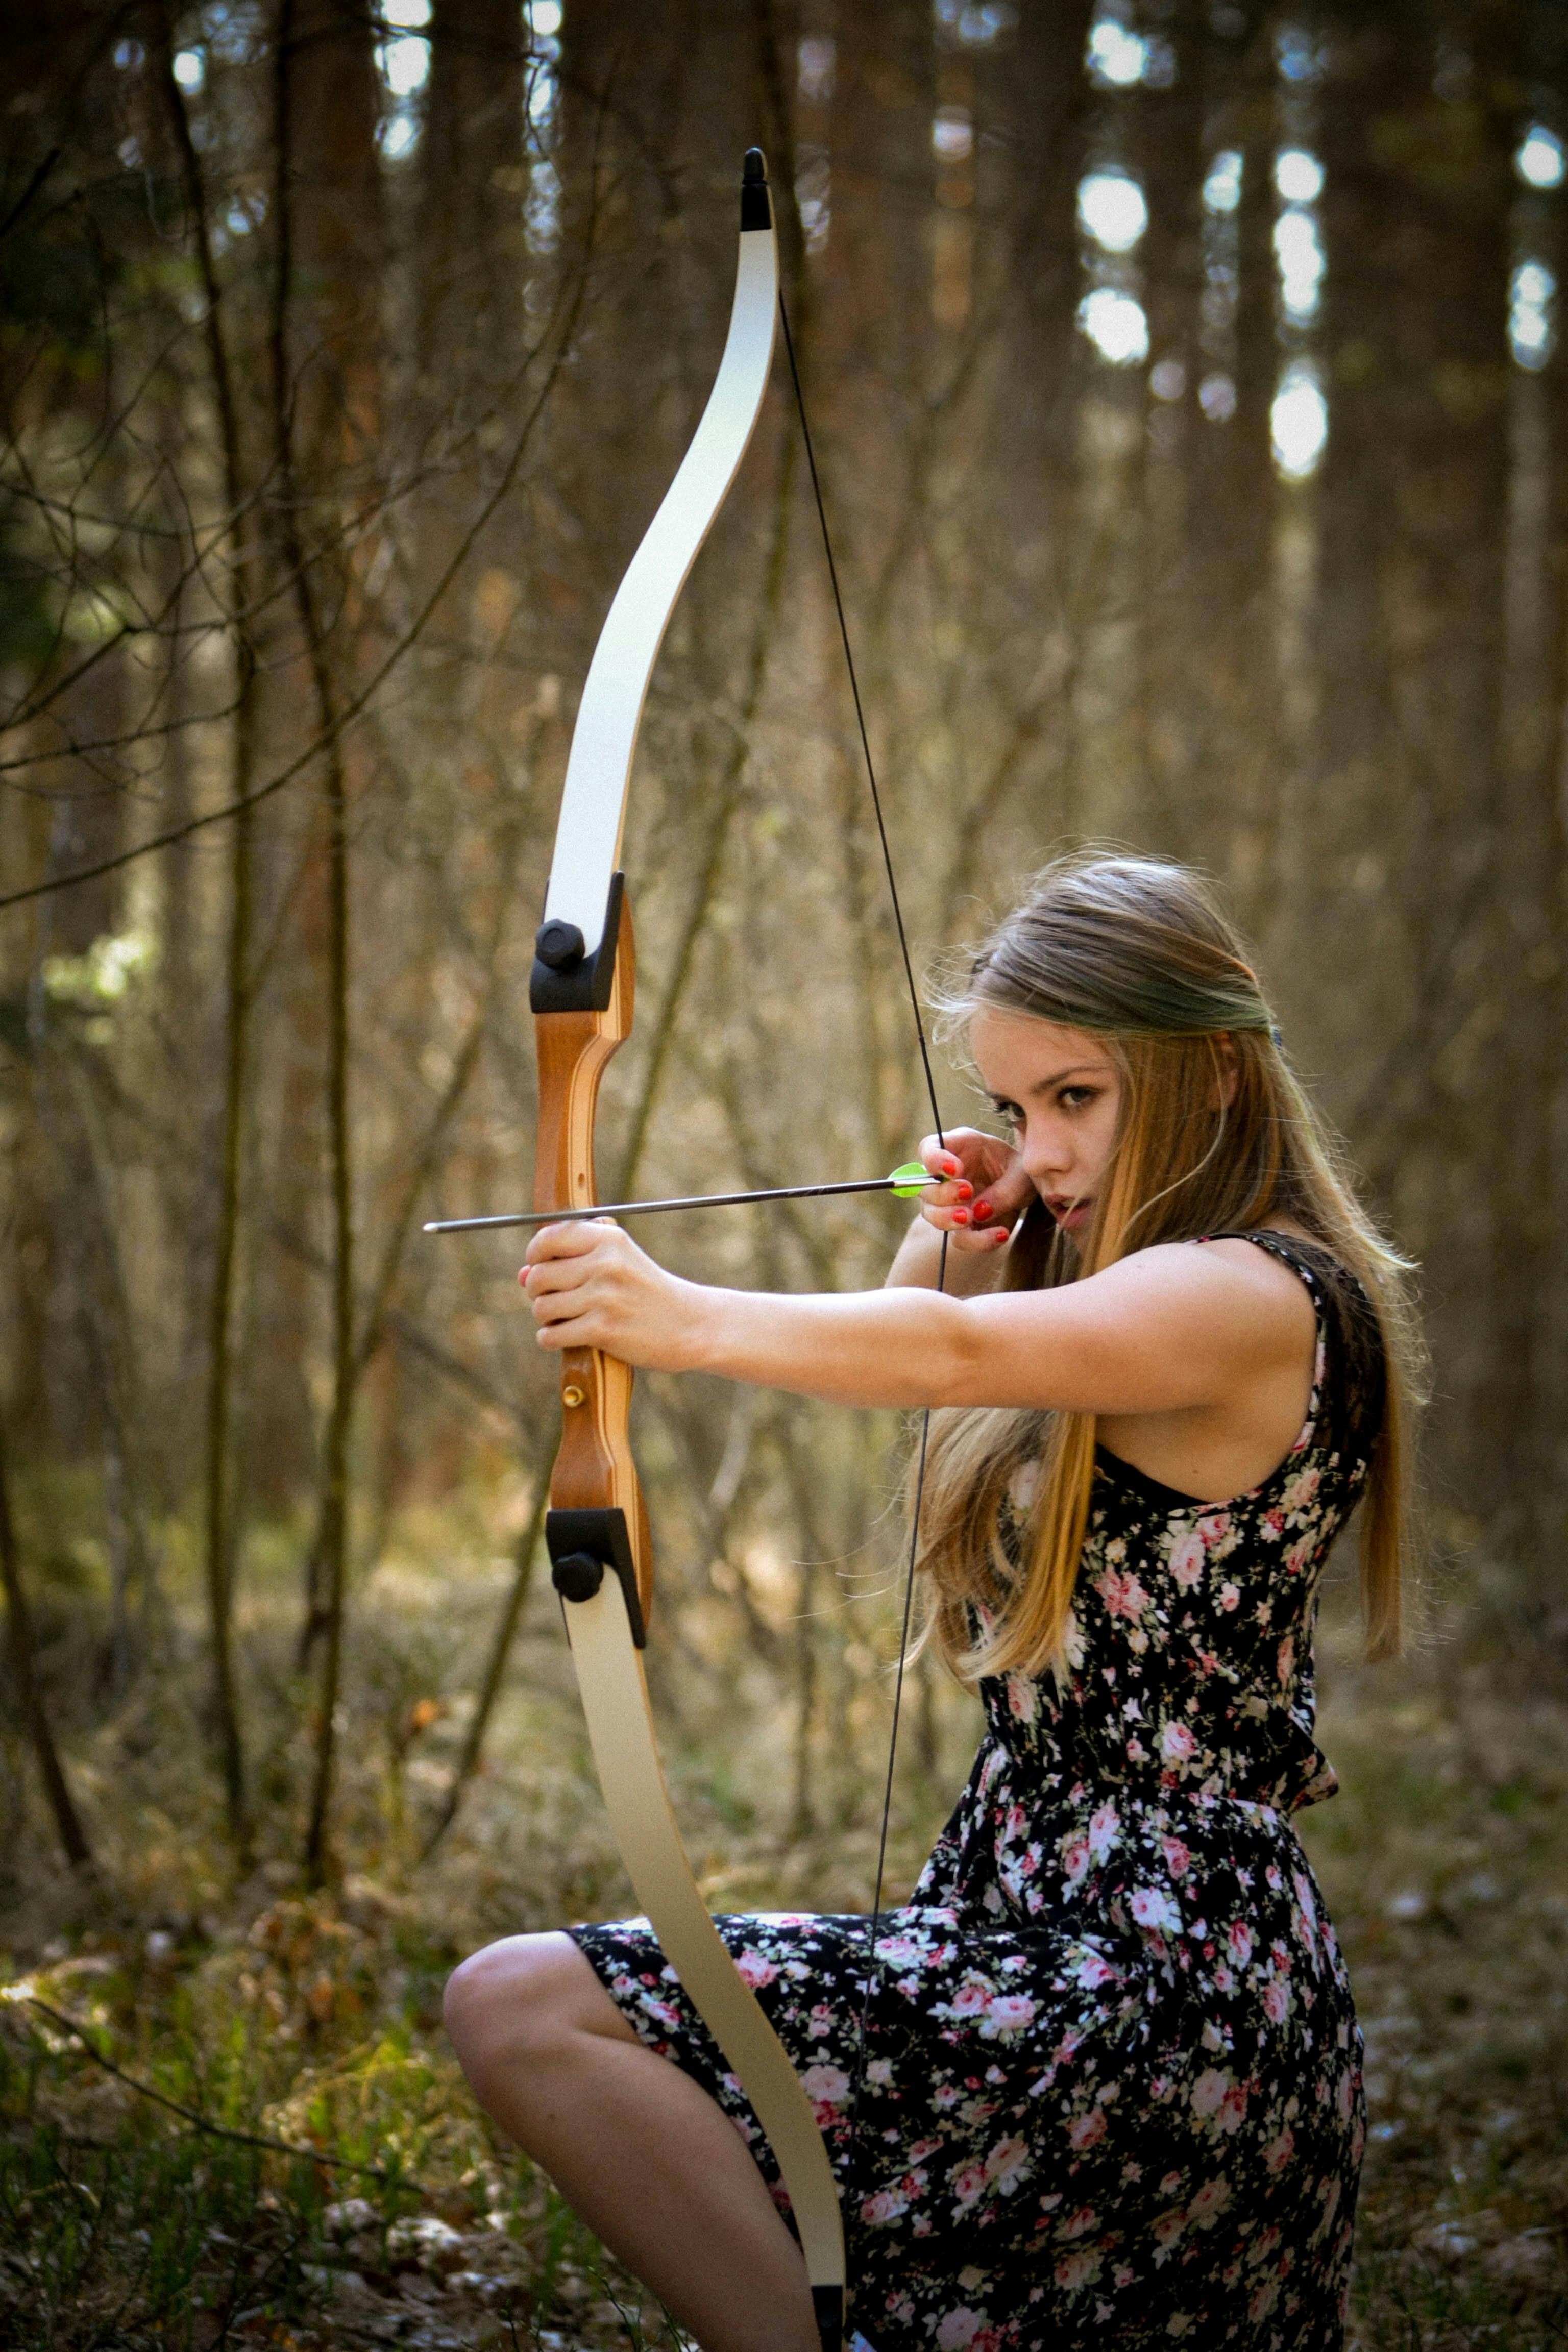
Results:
<point x="1044" y="1085"/>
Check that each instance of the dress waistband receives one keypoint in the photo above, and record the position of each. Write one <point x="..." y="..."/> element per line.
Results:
<point x="1076" y="1778"/>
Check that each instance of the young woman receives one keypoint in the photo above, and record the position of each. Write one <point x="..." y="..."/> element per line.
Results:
<point x="1111" y="2089"/>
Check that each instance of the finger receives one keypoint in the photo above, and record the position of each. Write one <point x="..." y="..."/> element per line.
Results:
<point x="558" y="1306"/>
<point x="996" y="1210"/>
<point x="990" y="1239"/>
<point x="945" y="1218"/>
<point x="1007" y="1190"/>
<point x="555" y="1274"/>
<point x="569" y="1241"/>
<point x="939" y="1158"/>
<point x="566" y="1253"/>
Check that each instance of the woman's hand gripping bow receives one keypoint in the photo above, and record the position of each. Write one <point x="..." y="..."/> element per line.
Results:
<point x="591" y="1287"/>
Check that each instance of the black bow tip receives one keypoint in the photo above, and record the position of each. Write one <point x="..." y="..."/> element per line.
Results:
<point x="756" y="205"/>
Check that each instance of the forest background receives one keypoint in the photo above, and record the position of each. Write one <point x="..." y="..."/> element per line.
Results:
<point x="1193" y="413"/>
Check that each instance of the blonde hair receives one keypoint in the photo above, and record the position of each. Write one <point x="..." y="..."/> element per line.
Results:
<point x="1138" y="950"/>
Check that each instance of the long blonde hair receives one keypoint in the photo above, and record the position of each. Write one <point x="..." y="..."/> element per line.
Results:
<point x="1137" y="950"/>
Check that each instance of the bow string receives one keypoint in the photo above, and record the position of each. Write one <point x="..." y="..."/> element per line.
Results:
<point x="874" y="1925"/>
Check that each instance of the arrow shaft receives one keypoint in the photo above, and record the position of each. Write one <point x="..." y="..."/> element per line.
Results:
<point x="660" y="1208"/>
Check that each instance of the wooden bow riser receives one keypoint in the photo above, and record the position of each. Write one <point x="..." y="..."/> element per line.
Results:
<point x="594" y="1469"/>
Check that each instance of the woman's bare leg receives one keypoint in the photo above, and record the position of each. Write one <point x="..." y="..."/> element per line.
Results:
<point x="638" y="2148"/>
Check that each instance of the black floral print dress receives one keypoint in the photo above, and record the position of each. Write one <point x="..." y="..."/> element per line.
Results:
<point x="1111" y="2090"/>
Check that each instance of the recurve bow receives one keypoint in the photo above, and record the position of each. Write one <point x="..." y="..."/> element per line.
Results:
<point x="596" y="1529"/>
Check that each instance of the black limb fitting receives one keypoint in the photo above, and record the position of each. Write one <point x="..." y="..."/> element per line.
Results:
<point x="578" y="1577"/>
<point x="827" y="2303"/>
<point x="581" y="1546"/>
<point x="565" y="979"/>
<point x="560" y="945"/>
<point x="756" y="203"/>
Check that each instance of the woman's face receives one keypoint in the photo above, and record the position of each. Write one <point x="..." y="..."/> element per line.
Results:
<point x="1062" y="1093"/>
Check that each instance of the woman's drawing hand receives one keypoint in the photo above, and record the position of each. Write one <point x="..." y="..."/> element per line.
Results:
<point x="984" y="1191"/>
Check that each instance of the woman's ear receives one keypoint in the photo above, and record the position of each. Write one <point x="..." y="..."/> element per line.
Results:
<point x="1228" y="1071"/>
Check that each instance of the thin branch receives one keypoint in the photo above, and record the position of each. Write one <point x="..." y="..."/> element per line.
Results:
<point x="357" y="704"/>
<point x="29" y="192"/>
<point x="197" y="2121"/>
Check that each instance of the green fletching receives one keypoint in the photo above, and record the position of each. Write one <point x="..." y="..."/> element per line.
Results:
<point x="911" y="1180"/>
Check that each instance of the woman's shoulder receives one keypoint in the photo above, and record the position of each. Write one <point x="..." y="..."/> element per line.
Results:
<point x="1235" y="1268"/>
<point x="1347" y="1317"/>
<point x="1233" y="1310"/>
<point x="1260" y="1247"/>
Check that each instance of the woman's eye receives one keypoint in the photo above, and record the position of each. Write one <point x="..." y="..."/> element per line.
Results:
<point x="1076" y="1097"/>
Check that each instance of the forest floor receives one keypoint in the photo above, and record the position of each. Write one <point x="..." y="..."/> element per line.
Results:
<point x="1445" y="1861"/>
<point x="314" y="2020"/>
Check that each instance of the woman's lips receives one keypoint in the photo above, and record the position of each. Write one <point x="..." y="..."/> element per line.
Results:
<point x="1070" y="1213"/>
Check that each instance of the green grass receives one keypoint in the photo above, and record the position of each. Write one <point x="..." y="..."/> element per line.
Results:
<point x="125" y="2227"/>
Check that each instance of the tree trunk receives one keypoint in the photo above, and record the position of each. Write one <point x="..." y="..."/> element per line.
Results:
<point x="324" y="352"/>
<point x="30" y="1699"/>
<point x="220" y="1530"/>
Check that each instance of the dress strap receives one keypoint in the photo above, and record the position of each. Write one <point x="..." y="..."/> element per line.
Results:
<point x="1308" y="1260"/>
<point x="1355" y="1372"/>
<point x="1287" y="1247"/>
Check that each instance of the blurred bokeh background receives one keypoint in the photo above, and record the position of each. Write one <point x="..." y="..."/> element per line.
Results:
<point x="1187" y="389"/>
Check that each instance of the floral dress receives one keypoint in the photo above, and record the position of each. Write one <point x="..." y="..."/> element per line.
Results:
<point x="1111" y="2089"/>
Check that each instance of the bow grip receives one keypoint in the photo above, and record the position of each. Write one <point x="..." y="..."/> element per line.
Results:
<point x="597" y="1509"/>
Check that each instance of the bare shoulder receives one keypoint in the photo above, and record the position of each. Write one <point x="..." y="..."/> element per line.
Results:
<point x="1241" y="1270"/>
<point x="1210" y="1289"/>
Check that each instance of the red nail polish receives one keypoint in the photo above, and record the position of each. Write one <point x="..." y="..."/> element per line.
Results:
<point x="966" y="1191"/>
<point x="983" y="1208"/>
<point x="961" y="1216"/>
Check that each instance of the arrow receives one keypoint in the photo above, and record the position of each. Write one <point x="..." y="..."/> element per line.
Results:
<point x="904" y="1184"/>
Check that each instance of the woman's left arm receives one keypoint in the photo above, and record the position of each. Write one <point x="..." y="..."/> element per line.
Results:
<point x="1168" y="1328"/>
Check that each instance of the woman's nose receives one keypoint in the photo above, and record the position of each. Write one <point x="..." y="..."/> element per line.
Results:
<point x="1045" y="1158"/>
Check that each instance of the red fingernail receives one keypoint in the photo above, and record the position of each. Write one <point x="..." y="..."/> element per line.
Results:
<point x="961" y="1216"/>
<point x="983" y="1208"/>
<point x="966" y="1191"/>
<point x="951" y="1164"/>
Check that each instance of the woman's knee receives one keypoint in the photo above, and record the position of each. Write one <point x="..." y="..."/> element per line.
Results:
<point x="507" y="2001"/>
<point x="524" y="1997"/>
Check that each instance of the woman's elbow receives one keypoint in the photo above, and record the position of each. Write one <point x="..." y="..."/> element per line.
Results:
<point x="964" y="1370"/>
